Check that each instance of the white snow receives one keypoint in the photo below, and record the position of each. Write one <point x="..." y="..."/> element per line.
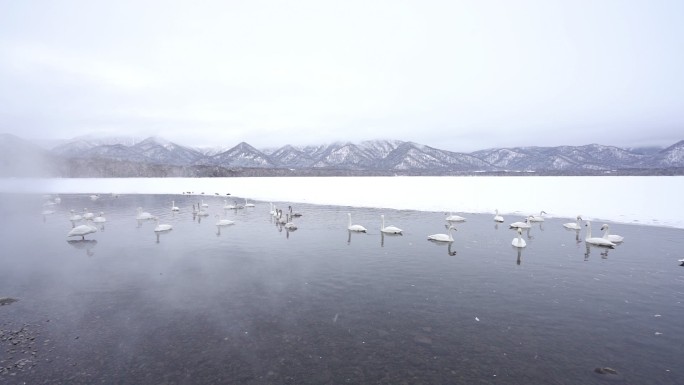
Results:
<point x="649" y="200"/>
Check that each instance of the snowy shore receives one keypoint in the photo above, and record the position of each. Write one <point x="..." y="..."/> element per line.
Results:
<point x="639" y="200"/>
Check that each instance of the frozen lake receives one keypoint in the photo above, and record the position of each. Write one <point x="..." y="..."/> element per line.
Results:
<point x="254" y="303"/>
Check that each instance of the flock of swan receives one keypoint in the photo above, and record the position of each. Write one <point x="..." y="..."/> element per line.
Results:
<point x="286" y="221"/>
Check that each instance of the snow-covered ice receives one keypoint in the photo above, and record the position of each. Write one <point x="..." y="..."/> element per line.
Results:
<point x="648" y="200"/>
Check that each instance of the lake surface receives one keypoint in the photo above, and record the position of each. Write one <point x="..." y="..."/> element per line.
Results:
<point x="254" y="303"/>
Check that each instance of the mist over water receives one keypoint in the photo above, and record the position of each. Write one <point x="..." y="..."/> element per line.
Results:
<point x="254" y="303"/>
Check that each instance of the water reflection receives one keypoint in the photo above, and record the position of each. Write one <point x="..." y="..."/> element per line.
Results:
<point x="519" y="252"/>
<point x="577" y="234"/>
<point x="603" y="252"/>
<point x="349" y="236"/>
<point x="391" y="235"/>
<point x="159" y="234"/>
<point x="84" y="244"/>
<point x="442" y="244"/>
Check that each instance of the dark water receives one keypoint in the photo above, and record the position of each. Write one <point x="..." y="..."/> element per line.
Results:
<point x="256" y="304"/>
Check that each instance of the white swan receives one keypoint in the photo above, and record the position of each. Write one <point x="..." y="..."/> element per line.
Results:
<point x="223" y="222"/>
<point x="611" y="237"/>
<point x="596" y="240"/>
<point x="87" y="215"/>
<point x="518" y="241"/>
<point x="74" y="217"/>
<point x="574" y="225"/>
<point x="204" y="204"/>
<point x="226" y="206"/>
<point x="497" y="217"/>
<point x="248" y="204"/>
<point x="272" y="212"/>
<point x="455" y="218"/>
<point x="538" y="218"/>
<point x="442" y="237"/>
<point x="143" y="215"/>
<point x="162" y="227"/>
<point x="100" y="218"/>
<point x="389" y="229"/>
<point x="82" y="231"/>
<point x="289" y="225"/>
<point x="521" y="225"/>
<point x="174" y="207"/>
<point x="358" y="228"/>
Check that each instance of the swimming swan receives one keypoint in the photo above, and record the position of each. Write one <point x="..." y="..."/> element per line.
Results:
<point x="248" y="204"/>
<point x="87" y="215"/>
<point x="389" y="229"/>
<point x="455" y="218"/>
<point x="204" y="204"/>
<point x="497" y="217"/>
<point x="162" y="227"/>
<point x="442" y="237"/>
<point x="611" y="237"/>
<point x="358" y="228"/>
<point x="143" y="215"/>
<point x="74" y="217"/>
<point x="518" y="241"/>
<point x="174" y="207"/>
<point x="289" y="225"/>
<point x="82" y="231"/>
<point x="100" y="218"/>
<point x="223" y="222"/>
<point x="522" y="225"/>
<point x="537" y="218"/>
<point x="595" y="240"/>
<point x="574" y="225"/>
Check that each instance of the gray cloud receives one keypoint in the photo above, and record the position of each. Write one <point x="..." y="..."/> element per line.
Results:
<point x="460" y="76"/>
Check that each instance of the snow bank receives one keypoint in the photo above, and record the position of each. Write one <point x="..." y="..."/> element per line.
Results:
<point x="632" y="199"/>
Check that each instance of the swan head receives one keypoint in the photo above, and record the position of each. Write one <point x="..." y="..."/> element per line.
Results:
<point x="604" y="227"/>
<point x="519" y="231"/>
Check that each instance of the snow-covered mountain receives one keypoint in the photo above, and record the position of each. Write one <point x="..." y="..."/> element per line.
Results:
<point x="371" y="156"/>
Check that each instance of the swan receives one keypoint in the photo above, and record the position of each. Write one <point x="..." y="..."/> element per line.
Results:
<point x="223" y="222"/>
<point x="289" y="225"/>
<point x="248" y="204"/>
<point x="518" y="241"/>
<point x="82" y="231"/>
<point x="203" y="213"/>
<point x="358" y="228"/>
<point x="272" y="212"/>
<point x="100" y="218"/>
<point x="162" y="227"/>
<point x="522" y="225"/>
<point x="143" y="215"/>
<point x="204" y="204"/>
<point x="279" y="217"/>
<point x="574" y="225"/>
<point x="87" y="215"/>
<point x="537" y="218"/>
<point x="497" y="217"/>
<point x="58" y="200"/>
<point x="74" y="217"/>
<point x="595" y="240"/>
<point x="389" y="229"/>
<point x="174" y="207"/>
<point x="293" y="214"/>
<point x="611" y="237"/>
<point x="94" y="197"/>
<point x="455" y="218"/>
<point x="226" y="206"/>
<point x="442" y="237"/>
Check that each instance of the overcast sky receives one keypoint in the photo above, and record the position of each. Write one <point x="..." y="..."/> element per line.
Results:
<point x="456" y="75"/>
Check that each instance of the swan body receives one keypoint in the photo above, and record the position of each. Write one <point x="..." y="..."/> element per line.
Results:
<point x="611" y="237"/>
<point x="87" y="215"/>
<point x="518" y="241"/>
<point x="74" y="217"/>
<point x="357" y="228"/>
<point x="174" y="207"/>
<point x="82" y="231"/>
<point x="100" y="218"/>
<point x="223" y="222"/>
<point x="596" y="240"/>
<point x="143" y="215"/>
<point x="289" y="225"/>
<point x="538" y="218"/>
<point x="455" y="218"/>
<point x="442" y="237"/>
<point x="389" y="229"/>
<point x="497" y="217"/>
<point x="574" y="225"/>
<point x="204" y="204"/>
<point x="203" y="213"/>
<point x="226" y="206"/>
<point x="162" y="227"/>
<point x="522" y="225"/>
<point x="293" y="214"/>
<point x="248" y="204"/>
<point x="94" y="197"/>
